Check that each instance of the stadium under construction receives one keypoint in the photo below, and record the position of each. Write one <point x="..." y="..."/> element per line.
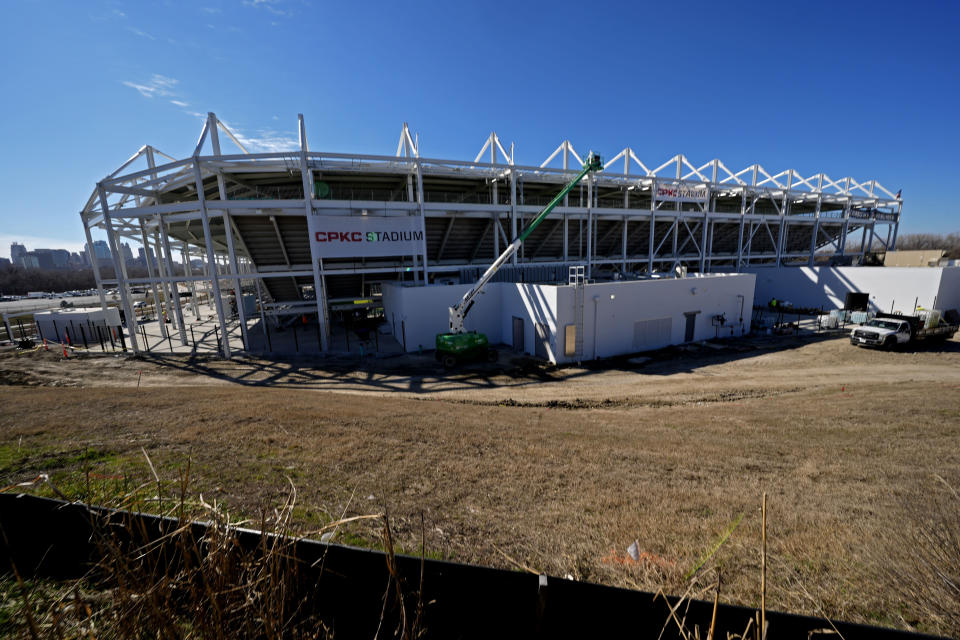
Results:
<point x="308" y="234"/>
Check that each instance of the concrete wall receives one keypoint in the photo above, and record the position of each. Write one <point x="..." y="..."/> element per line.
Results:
<point x="915" y="258"/>
<point x="534" y="304"/>
<point x="610" y="324"/>
<point x="949" y="295"/>
<point x="889" y="287"/>
<point x="420" y="313"/>
<point x="54" y="325"/>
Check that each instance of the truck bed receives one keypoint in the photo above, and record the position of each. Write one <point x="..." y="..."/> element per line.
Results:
<point x="945" y="331"/>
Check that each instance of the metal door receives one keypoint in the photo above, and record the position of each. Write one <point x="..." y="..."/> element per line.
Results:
<point x="517" y="334"/>
<point x="691" y="326"/>
<point x="542" y="341"/>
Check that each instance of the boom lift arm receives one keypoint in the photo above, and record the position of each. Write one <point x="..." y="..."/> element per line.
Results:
<point x="459" y="311"/>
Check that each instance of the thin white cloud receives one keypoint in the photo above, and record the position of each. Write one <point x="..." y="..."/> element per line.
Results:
<point x="262" y="141"/>
<point x="102" y="17"/>
<point x="265" y="140"/>
<point x="273" y="6"/>
<point x="158" y="85"/>
<point x="211" y="10"/>
<point x="139" y="32"/>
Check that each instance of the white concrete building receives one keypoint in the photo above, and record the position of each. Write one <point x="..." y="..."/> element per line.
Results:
<point x="76" y="325"/>
<point x="890" y="288"/>
<point x="569" y="323"/>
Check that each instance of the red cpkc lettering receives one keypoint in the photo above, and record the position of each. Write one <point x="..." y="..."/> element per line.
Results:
<point x="341" y="236"/>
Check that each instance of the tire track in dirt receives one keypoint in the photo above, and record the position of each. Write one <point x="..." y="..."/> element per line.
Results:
<point x="578" y="404"/>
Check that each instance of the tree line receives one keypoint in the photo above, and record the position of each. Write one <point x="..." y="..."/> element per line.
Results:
<point x="949" y="242"/>
<point x="17" y="281"/>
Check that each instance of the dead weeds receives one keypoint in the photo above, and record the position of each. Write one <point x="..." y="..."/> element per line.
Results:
<point x="838" y="437"/>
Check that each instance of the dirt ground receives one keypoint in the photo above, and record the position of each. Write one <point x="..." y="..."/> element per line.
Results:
<point x="556" y="470"/>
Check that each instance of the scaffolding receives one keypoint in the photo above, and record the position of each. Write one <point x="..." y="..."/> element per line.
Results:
<point x="243" y="217"/>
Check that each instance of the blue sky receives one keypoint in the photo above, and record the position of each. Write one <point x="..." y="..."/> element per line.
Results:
<point x="867" y="89"/>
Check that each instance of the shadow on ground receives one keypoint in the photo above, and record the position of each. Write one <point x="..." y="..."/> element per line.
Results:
<point x="420" y="373"/>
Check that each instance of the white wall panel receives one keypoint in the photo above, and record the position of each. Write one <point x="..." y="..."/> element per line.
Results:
<point x="610" y="324"/>
<point x="897" y="288"/>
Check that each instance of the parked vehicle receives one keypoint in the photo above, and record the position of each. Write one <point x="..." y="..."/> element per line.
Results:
<point x="889" y="330"/>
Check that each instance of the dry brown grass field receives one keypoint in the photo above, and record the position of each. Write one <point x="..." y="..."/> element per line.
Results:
<point x="558" y="470"/>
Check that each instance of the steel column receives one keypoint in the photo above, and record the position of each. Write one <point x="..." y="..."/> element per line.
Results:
<point x="423" y="220"/>
<point x="164" y="282"/>
<point x="173" y="285"/>
<point x="211" y="257"/>
<point x="589" y="231"/>
<point x="307" y="176"/>
<point x="95" y="263"/>
<point x="513" y="211"/>
<point x="623" y="248"/>
<point x="650" y="250"/>
<point x="153" y="283"/>
<point x="119" y="271"/>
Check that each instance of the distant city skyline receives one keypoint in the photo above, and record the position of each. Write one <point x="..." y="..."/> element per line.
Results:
<point x="20" y="254"/>
<point x="38" y="242"/>
<point x="46" y="257"/>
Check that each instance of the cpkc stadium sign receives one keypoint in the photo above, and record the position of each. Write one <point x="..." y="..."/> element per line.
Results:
<point x="364" y="236"/>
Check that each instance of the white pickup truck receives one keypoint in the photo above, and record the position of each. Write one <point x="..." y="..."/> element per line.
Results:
<point x="890" y="330"/>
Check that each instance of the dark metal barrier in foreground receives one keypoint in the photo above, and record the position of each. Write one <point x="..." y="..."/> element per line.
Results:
<point x="345" y="586"/>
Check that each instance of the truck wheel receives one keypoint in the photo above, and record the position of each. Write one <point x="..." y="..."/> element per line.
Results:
<point x="492" y="355"/>
<point x="449" y="362"/>
<point x="890" y="342"/>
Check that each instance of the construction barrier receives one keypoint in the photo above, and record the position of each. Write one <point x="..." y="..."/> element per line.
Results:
<point x="345" y="586"/>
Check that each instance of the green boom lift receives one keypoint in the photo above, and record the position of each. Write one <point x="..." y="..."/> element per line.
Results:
<point x="458" y="345"/>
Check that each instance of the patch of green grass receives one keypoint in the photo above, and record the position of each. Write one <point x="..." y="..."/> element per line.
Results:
<point x="12" y="456"/>
<point x="17" y="457"/>
<point x="80" y="457"/>
<point x="353" y="540"/>
<point x="94" y="476"/>
<point x="308" y="517"/>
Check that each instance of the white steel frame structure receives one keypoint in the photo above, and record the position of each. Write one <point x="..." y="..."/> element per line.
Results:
<point x="245" y="216"/>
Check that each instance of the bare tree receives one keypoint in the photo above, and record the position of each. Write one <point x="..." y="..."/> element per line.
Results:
<point x="949" y="242"/>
